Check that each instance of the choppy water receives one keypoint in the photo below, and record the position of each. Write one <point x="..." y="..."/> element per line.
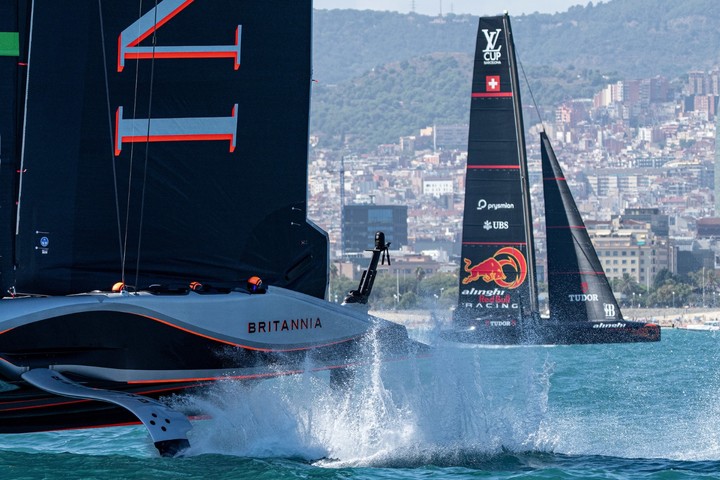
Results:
<point x="646" y="411"/>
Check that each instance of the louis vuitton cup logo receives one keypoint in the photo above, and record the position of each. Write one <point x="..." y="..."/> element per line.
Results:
<point x="507" y="268"/>
<point x="492" y="54"/>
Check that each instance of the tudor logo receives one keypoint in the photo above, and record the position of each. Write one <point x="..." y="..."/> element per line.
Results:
<point x="500" y="323"/>
<point x="507" y="268"/>
<point x="491" y="54"/>
<point x="583" y="297"/>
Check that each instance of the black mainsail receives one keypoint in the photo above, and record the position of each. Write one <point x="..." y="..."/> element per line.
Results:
<point x="497" y="278"/>
<point x="498" y="298"/>
<point x="197" y="186"/>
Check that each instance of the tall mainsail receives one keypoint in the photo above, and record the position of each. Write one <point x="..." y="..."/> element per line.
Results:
<point x="160" y="143"/>
<point x="497" y="278"/>
<point x="578" y="289"/>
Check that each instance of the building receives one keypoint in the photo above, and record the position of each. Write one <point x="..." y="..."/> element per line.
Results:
<point x="448" y="137"/>
<point x="708" y="227"/>
<point x="361" y="222"/>
<point x="717" y="167"/>
<point x="633" y="250"/>
<point x="659" y="223"/>
<point x="438" y="186"/>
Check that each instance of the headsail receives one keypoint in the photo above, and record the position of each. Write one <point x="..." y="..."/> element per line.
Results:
<point x="578" y="289"/>
<point x="497" y="277"/>
<point x="192" y="165"/>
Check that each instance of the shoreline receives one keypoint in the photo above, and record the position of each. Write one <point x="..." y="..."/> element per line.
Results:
<point x="665" y="317"/>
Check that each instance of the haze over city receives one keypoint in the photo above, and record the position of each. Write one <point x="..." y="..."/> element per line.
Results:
<point x="434" y="7"/>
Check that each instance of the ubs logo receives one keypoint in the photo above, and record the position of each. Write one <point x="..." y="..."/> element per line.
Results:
<point x="491" y="54"/>
<point x="496" y="225"/>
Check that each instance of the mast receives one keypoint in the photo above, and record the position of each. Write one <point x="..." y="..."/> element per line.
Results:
<point x="14" y="27"/>
<point x="342" y="207"/>
<point x="524" y="177"/>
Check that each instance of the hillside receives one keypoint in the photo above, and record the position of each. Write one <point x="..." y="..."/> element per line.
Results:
<point x="399" y="98"/>
<point x="636" y="38"/>
<point x="381" y="74"/>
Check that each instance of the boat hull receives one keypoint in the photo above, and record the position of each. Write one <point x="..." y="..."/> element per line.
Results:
<point x="157" y="345"/>
<point x="26" y="409"/>
<point x="550" y="332"/>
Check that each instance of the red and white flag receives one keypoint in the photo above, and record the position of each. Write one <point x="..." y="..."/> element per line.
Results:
<point x="492" y="83"/>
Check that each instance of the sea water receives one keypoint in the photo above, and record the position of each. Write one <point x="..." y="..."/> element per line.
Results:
<point x="581" y="411"/>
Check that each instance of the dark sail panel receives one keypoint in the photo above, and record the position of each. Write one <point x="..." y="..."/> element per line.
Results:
<point x="193" y="167"/>
<point x="13" y="62"/>
<point x="577" y="286"/>
<point x="497" y="270"/>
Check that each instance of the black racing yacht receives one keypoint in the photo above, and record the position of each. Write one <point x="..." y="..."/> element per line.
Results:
<point x="153" y="227"/>
<point x="498" y="294"/>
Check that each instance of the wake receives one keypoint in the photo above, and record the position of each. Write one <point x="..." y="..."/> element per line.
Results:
<point x="458" y="404"/>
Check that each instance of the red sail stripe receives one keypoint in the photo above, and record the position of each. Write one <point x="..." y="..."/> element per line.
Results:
<point x="576" y="273"/>
<point x="522" y="244"/>
<point x="492" y="95"/>
<point x="514" y="167"/>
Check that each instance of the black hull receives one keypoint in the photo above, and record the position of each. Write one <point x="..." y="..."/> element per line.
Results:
<point x="28" y="409"/>
<point x="135" y="347"/>
<point x="160" y="345"/>
<point x="548" y="332"/>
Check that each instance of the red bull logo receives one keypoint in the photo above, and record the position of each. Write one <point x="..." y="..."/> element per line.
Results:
<point x="507" y="268"/>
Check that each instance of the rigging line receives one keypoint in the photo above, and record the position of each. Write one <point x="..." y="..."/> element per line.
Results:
<point x="131" y="163"/>
<point x="532" y="95"/>
<point x="112" y="152"/>
<point x="147" y="146"/>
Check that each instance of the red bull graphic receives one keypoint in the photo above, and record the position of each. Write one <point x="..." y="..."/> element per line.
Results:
<point x="507" y="268"/>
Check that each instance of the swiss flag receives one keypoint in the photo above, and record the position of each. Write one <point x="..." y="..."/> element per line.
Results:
<point x="492" y="83"/>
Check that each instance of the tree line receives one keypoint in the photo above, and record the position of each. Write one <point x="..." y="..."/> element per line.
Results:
<point x="440" y="290"/>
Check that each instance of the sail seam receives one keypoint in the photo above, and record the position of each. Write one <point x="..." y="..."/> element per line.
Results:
<point x="491" y="167"/>
<point x="491" y="95"/>
<point x="575" y="273"/>
<point x="495" y="243"/>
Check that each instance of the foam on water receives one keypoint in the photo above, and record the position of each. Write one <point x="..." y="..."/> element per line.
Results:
<point x="463" y="405"/>
<point x="474" y="407"/>
<point x="457" y="403"/>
